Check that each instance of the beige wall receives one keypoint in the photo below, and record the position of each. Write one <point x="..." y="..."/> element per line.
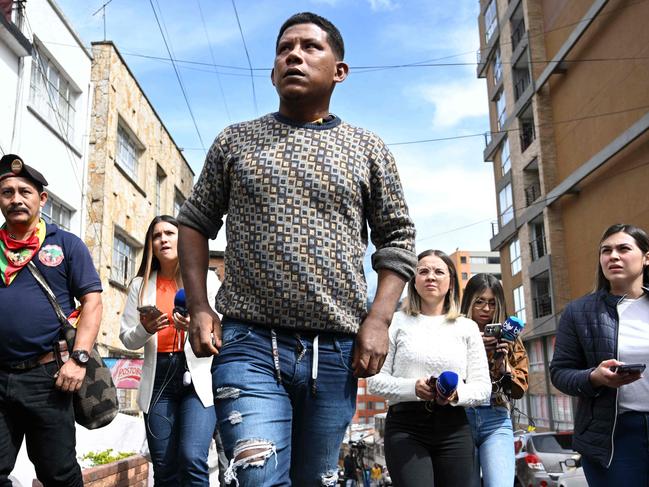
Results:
<point x="115" y="200"/>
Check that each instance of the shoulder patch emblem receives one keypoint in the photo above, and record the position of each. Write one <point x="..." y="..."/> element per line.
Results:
<point x="51" y="255"/>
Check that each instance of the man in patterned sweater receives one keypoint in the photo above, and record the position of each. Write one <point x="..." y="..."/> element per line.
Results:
<point x="300" y="188"/>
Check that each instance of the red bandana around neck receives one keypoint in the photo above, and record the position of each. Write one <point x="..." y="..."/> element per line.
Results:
<point x="16" y="254"/>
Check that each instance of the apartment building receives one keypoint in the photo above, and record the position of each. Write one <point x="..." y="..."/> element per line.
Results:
<point x="367" y="405"/>
<point x="569" y="117"/>
<point x="45" y="102"/>
<point x="136" y="171"/>
<point x="468" y="263"/>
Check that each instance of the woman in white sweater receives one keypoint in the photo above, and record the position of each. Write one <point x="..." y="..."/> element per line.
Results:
<point x="427" y="435"/>
<point x="175" y="391"/>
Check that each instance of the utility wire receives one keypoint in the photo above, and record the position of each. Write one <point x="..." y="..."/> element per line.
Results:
<point x="182" y="87"/>
<point x="243" y="39"/>
<point x="216" y="71"/>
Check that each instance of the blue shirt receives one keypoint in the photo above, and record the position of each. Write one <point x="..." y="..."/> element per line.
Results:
<point x="28" y="322"/>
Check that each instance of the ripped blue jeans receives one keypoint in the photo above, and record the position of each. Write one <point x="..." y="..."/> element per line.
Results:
<point x="282" y="416"/>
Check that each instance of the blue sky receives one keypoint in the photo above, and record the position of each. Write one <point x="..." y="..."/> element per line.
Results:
<point x="447" y="184"/>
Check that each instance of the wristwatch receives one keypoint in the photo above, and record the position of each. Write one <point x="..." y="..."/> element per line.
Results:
<point x="81" y="357"/>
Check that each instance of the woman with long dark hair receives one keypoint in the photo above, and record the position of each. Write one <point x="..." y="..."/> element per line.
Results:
<point x="176" y="387"/>
<point x="484" y="302"/>
<point x="427" y="435"/>
<point x="599" y="334"/>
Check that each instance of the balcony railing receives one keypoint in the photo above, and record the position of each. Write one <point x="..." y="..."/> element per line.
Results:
<point x="527" y="135"/>
<point x="538" y="248"/>
<point x="532" y="193"/>
<point x="542" y="305"/>
<point x="518" y="31"/>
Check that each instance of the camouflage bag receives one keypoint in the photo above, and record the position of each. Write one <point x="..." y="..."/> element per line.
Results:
<point x="95" y="404"/>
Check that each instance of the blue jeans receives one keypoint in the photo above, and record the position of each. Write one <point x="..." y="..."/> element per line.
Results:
<point x="494" y="441"/>
<point x="630" y="465"/>
<point x="282" y="432"/>
<point x="31" y="408"/>
<point x="179" y="428"/>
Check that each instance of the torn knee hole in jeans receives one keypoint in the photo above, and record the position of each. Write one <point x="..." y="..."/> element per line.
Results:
<point x="329" y="479"/>
<point x="227" y="393"/>
<point x="249" y="453"/>
<point x="235" y="417"/>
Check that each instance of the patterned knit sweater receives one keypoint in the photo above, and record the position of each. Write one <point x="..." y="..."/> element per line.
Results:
<point x="299" y="199"/>
<point x="421" y="346"/>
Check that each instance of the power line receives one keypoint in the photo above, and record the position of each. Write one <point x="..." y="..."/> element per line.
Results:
<point x="243" y="39"/>
<point x="218" y="77"/>
<point x="182" y="87"/>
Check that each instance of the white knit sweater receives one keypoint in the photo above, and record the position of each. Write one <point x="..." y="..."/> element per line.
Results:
<point x="421" y="346"/>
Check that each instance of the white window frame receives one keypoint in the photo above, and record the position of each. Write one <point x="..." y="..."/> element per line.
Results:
<point x="490" y="20"/>
<point x="506" y="205"/>
<point x="53" y="95"/>
<point x="515" y="257"/>
<point x="124" y="254"/>
<point x="57" y="212"/>
<point x="127" y="152"/>
<point x="497" y="67"/>
<point x="505" y="158"/>
<point x="535" y="355"/>
<point x="179" y="199"/>
<point x="501" y="109"/>
<point x="539" y="409"/>
<point x="519" y="303"/>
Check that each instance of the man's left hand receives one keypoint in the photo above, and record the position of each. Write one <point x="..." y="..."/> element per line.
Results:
<point x="70" y="377"/>
<point x="371" y="347"/>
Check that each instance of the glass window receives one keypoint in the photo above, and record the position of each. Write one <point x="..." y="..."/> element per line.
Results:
<point x="462" y="260"/>
<point x="539" y="410"/>
<point x="379" y="405"/>
<point x="127" y="153"/>
<point x="178" y="202"/>
<point x="360" y="391"/>
<point x="498" y="67"/>
<point x="535" y="354"/>
<point x="159" y="190"/>
<point x="465" y="276"/>
<point x="515" y="256"/>
<point x="562" y="412"/>
<point x="505" y="158"/>
<point x="506" y="205"/>
<point x="360" y="406"/>
<point x="52" y="95"/>
<point x="479" y="260"/>
<point x="519" y="303"/>
<point x="55" y="212"/>
<point x="501" y="109"/>
<point x="123" y="267"/>
<point x="490" y="22"/>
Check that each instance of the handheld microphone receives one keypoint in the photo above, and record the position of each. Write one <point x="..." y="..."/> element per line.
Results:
<point x="512" y="327"/>
<point x="446" y="384"/>
<point x="180" y="304"/>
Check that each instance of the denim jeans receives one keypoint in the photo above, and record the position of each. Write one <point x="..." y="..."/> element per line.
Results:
<point x="280" y="427"/>
<point x="630" y="465"/>
<point x="179" y="428"/>
<point x="494" y="441"/>
<point x="31" y="408"/>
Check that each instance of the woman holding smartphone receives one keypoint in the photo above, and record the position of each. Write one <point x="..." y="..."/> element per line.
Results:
<point x="484" y="302"/>
<point x="176" y="387"/>
<point x="427" y="435"/>
<point x="598" y="333"/>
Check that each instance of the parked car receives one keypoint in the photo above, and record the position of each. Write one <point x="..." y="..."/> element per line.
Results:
<point x="574" y="477"/>
<point x="541" y="458"/>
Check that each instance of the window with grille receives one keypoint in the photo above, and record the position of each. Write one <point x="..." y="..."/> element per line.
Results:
<point x="55" y="212"/>
<point x="127" y="153"/>
<point x="123" y="267"/>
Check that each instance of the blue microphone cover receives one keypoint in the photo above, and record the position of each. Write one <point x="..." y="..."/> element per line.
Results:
<point x="179" y="299"/>
<point x="512" y="327"/>
<point x="446" y="383"/>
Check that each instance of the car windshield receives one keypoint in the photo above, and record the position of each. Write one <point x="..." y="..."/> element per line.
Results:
<point x="559" y="443"/>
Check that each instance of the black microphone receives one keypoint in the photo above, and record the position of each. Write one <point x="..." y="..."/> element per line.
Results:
<point x="180" y="304"/>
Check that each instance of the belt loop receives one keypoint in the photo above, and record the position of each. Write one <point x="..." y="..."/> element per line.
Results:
<point x="275" y="350"/>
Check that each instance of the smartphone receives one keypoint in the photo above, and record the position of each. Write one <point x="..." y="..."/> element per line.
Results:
<point x="628" y="368"/>
<point x="493" y="330"/>
<point x="149" y="310"/>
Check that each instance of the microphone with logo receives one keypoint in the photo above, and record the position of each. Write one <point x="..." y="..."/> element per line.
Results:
<point x="180" y="307"/>
<point x="445" y="385"/>
<point x="512" y="327"/>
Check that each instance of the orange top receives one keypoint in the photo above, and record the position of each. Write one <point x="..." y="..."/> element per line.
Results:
<point x="169" y="339"/>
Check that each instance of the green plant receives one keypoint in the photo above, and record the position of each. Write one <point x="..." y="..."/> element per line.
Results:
<point x="106" y="456"/>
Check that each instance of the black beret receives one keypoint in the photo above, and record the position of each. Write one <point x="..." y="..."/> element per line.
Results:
<point x="13" y="165"/>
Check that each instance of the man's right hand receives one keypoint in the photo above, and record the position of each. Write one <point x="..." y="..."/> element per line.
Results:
<point x="205" y="332"/>
<point x="603" y="376"/>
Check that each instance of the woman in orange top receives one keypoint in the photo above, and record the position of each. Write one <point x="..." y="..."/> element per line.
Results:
<point x="175" y="391"/>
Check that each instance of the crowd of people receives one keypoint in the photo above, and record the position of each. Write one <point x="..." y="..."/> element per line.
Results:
<point x="268" y="363"/>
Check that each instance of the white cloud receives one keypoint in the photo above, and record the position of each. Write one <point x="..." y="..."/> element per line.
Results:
<point x="456" y="101"/>
<point x="378" y="5"/>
